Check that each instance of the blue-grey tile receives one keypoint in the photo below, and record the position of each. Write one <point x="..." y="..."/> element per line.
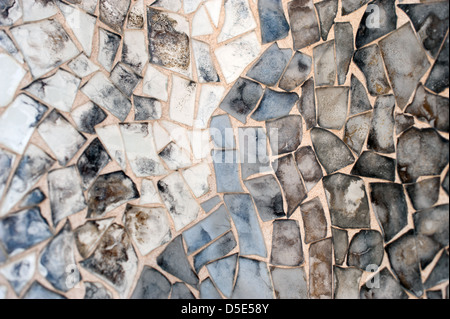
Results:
<point x="208" y="290"/>
<point x="226" y="168"/>
<point x="152" y="285"/>
<point x="181" y="291"/>
<point x="309" y="167"/>
<point x="285" y="134"/>
<point x="37" y="291"/>
<point x="253" y="152"/>
<point x="253" y="280"/>
<point x="222" y="133"/>
<point x="216" y="250"/>
<point x="211" y="203"/>
<point x="275" y="105"/>
<point x="96" y="291"/>
<point x="297" y="72"/>
<point x="324" y="64"/>
<point x="289" y="283"/>
<point x="222" y="273"/>
<point x="251" y="240"/>
<point x="274" y="25"/>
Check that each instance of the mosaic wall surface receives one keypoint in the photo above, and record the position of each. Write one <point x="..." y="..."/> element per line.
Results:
<point x="224" y="149"/>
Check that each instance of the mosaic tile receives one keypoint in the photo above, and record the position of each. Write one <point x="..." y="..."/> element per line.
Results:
<point x="253" y="280"/>
<point x="8" y="45"/>
<point x="238" y="19"/>
<point x="434" y="295"/>
<point x="136" y="16"/>
<point x="403" y="122"/>
<point x="343" y="34"/>
<point x="357" y="129"/>
<point x="134" y="51"/>
<point x="33" y="198"/>
<point x="209" y="100"/>
<point x="273" y="58"/>
<point x="179" y="202"/>
<point x="214" y="8"/>
<point x="314" y="220"/>
<point x="208" y="290"/>
<point x="221" y="132"/>
<point x="274" y="105"/>
<point x="206" y="70"/>
<point x="200" y="23"/>
<point x="174" y="157"/>
<point x="346" y="282"/>
<point x="208" y="205"/>
<point x="349" y="6"/>
<point x="324" y="64"/>
<point x="389" y="288"/>
<point x="327" y="12"/>
<point x="57" y="261"/>
<point x="373" y="165"/>
<point x="359" y="100"/>
<point x="366" y="249"/>
<point x="222" y="273"/>
<point x="181" y="291"/>
<point x="171" y="5"/>
<point x="149" y="194"/>
<point x="197" y="179"/>
<point x="89" y="235"/>
<point x="111" y="138"/>
<point x="304" y="24"/>
<point x="309" y="167"/>
<point x="174" y="261"/>
<point x="10" y="13"/>
<point x="20" y="272"/>
<point x="307" y="104"/>
<point x="108" y="192"/>
<point x="218" y="249"/>
<point x="226" y="169"/>
<point x="332" y="106"/>
<point x="33" y="11"/>
<point x="445" y="183"/>
<point x="65" y="193"/>
<point x="57" y="50"/>
<point x="424" y="194"/>
<point x="82" y="66"/>
<point x="113" y="13"/>
<point x="274" y="25"/>
<point x="285" y="134"/>
<point x="152" y="285"/>
<point x="438" y="79"/>
<point x="439" y="274"/>
<point x="19" y="121"/>
<point x="289" y="283"/>
<point x="39" y="292"/>
<point x="296" y="72"/>
<point x="340" y="244"/>
<point x="96" y="291"/>
<point x="182" y="101"/>
<point x="109" y="43"/>
<point x="13" y="75"/>
<point x="124" y="79"/>
<point x="149" y="228"/>
<point x="381" y="135"/>
<point x="114" y="260"/>
<point x="6" y="165"/>
<point x="320" y="270"/>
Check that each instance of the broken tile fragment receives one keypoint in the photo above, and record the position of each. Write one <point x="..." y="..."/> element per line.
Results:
<point x="253" y="280"/>
<point x="291" y="182"/>
<point x="8" y="45"/>
<point x="200" y="23"/>
<point x="346" y="283"/>
<point x="218" y="249"/>
<point x="174" y="157"/>
<point x="340" y="244"/>
<point x="113" y="13"/>
<point x="134" y="51"/>
<point x="209" y="100"/>
<point x="359" y="100"/>
<point x="182" y="101"/>
<point x="13" y="74"/>
<point x="403" y="122"/>
<point x="242" y="99"/>
<point x="57" y="50"/>
<point x="289" y="283"/>
<point x="439" y="274"/>
<point x="388" y="287"/>
<point x="366" y="250"/>
<point x="10" y="12"/>
<point x="33" y="165"/>
<point x="88" y="235"/>
<point x="155" y="84"/>
<point x="430" y="20"/>
<point x="445" y="183"/>
<point x="253" y="153"/>
<point x="242" y="211"/>
<point x="96" y="291"/>
<point x="208" y="290"/>
<point x="332" y="153"/>
<point x="124" y="79"/>
<point x="308" y="166"/>
<point x="430" y="108"/>
<point x="343" y="34"/>
<point x="270" y="66"/>
<point x="38" y="10"/>
<point x="405" y="70"/>
<point x="381" y="135"/>
<point x="304" y="24"/>
<point x="373" y="165"/>
<point x="421" y="152"/>
<point x="62" y="138"/>
<point x="238" y="19"/>
<point x="82" y="66"/>
<point x="181" y="291"/>
<point x="379" y="19"/>
<point x="111" y="138"/>
<point x="22" y="230"/>
<point x="222" y="132"/>
<point x="370" y="62"/>
<point x="222" y="273"/>
<point x="390" y="208"/>
<point x="327" y="12"/>
<point x="148" y="227"/>
<point x="332" y="106"/>
<point x="6" y="164"/>
<point x="101" y="91"/>
<point x="226" y="168"/>
<point x="236" y="55"/>
<point x="274" y="25"/>
<point x="296" y="72"/>
<point x="108" y="192"/>
<point x="33" y="198"/>
<point x="314" y="220"/>
<point x="424" y="194"/>
<point x="321" y="270"/>
<point x="349" y="6"/>
<point x="206" y="71"/>
<point x="20" y="272"/>
<point x="136" y="16"/>
<point x="146" y="109"/>
<point x="347" y="201"/>
<point x="438" y="79"/>
<point x="287" y="247"/>
<point x="307" y="104"/>
<point x="114" y="260"/>
<point x="431" y="232"/>
<point x="285" y="134"/>
<point x="65" y="193"/>
<point x="181" y="205"/>
<point x="152" y="285"/>
<point x="91" y="162"/>
<point x="57" y="261"/>
<point x="207" y="230"/>
<point x="174" y="261"/>
<point x="18" y="122"/>
<point x="107" y="48"/>
<point x="149" y="194"/>
<point x="357" y="129"/>
<point x="267" y="196"/>
<point x="208" y="205"/>
<point x="171" y="5"/>
<point x="403" y="257"/>
<point x="168" y="38"/>
<point x="434" y="295"/>
<point x="39" y="292"/>
<point x="275" y="105"/>
<point x="324" y="64"/>
<point x="197" y="179"/>
<point x="191" y="5"/>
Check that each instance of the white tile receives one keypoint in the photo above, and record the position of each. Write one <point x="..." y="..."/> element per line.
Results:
<point x="182" y="101"/>
<point x="149" y="194"/>
<point x="14" y="14"/>
<point x="175" y="157"/>
<point x="200" y="143"/>
<point x="200" y="23"/>
<point x="37" y="10"/>
<point x="206" y="70"/>
<point x="8" y="45"/>
<point x="171" y="5"/>
<point x="111" y="138"/>
<point x="238" y="19"/>
<point x="191" y="5"/>
<point x="134" y="52"/>
<point x="82" y="66"/>
<point x="10" y="78"/>
<point x="197" y="179"/>
<point x="162" y="137"/>
<point x="156" y="84"/>
<point x="178" y="134"/>
<point x="214" y="8"/>
<point x="210" y="98"/>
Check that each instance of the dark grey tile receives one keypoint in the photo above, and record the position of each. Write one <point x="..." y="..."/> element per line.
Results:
<point x="359" y="100"/>
<point x="296" y="72"/>
<point x="314" y="220"/>
<point x="445" y="183"/>
<point x="373" y="165"/>
<point x="181" y="291"/>
<point x="383" y="286"/>
<point x="91" y="162"/>
<point x="332" y="106"/>
<point x="327" y="12"/>
<point x="340" y="245"/>
<point x="96" y="291"/>
<point x="381" y="135"/>
<point x="309" y="167"/>
<point x="424" y="194"/>
<point x="349" y="6"/>
<point x="152" y="285"/>
<point x="285" y="134"/>
<point x="304" y="24"/>
<point x="366" y="250"/>
<point x="343" y="37"/>
<point x="321" y="270"/>
<point x="438" y="79"/>
<point x="108" y="46"/>
<point x="275" y="105"/>
<point x="87" y="117"/>
<point x="124" y="79"/>
<point x="289" y="283"/>
<point x="357" y="129"/>
<point x="346" y="283"/>
<point x="434" y="295"/>
<point x="403" y="122"/>
<point x="6" y="164"/>
<point x="440" y="272"/>
<point x="287" y="247"/>
<point x="307" y="104"/>
<point x="324" y="64"/>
